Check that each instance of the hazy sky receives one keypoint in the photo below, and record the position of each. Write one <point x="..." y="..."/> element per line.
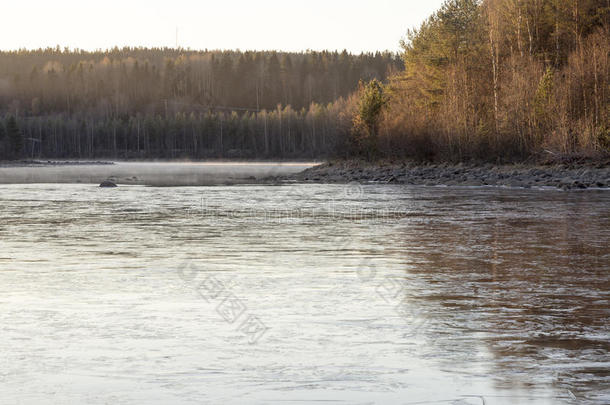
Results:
<point x="293" y="25"/>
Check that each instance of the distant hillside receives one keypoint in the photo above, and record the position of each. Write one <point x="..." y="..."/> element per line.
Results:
<point x="128" y="81"/>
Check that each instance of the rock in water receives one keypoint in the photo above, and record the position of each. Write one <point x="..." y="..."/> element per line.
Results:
<point x="107" y="184"/>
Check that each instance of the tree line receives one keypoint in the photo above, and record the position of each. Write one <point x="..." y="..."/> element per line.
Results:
<point x="279" y="133"/>
<point x="134" y="102"/>
<point x="479" y="79"/>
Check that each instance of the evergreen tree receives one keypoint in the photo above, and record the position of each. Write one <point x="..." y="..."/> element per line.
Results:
<point x="2" y="141"/>
<point x="15" y="138"/>
<point x="366" y="122"/>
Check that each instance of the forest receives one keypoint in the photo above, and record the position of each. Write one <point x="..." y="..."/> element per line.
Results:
<point x="173" y="103"/>
<point x="503" y="80"/>
<point x="478" y="80"/>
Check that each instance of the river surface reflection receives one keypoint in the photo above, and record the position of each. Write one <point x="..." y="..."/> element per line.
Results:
<point x="274" y="294"/>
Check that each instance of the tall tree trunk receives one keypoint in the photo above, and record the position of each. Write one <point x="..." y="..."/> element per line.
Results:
<point x="529" y="35"/>
<point x="494" y="68"/>
<point x="519" y="21"/>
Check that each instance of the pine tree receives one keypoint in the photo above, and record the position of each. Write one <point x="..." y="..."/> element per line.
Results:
<point x="2" y="142"/>
<point x="366" y="122"/>
<point x="15" y="138"/>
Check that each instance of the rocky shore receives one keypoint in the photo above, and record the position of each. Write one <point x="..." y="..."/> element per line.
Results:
<point x="563" y="176"/>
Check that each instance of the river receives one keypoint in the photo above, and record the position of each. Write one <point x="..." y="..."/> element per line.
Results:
<point x="312" y="293"/>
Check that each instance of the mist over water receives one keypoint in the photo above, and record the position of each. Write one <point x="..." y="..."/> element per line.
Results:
<point x="159" y="174"/>
<point x="265" y="294"/>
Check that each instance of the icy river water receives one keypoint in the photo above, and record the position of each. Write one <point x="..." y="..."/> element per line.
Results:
<point x="303" y="294"/>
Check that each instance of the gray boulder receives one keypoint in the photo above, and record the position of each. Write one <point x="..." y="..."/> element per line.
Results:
<point x="107" y="184"/>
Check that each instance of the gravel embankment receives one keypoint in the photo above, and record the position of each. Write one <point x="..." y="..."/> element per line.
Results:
<point x="561" y="176"/>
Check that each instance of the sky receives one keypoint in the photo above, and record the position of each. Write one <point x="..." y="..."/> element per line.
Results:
<point x="289" y="25"/>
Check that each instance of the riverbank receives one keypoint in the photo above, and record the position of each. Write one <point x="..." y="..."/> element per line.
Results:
<point x="565" y="176"/>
